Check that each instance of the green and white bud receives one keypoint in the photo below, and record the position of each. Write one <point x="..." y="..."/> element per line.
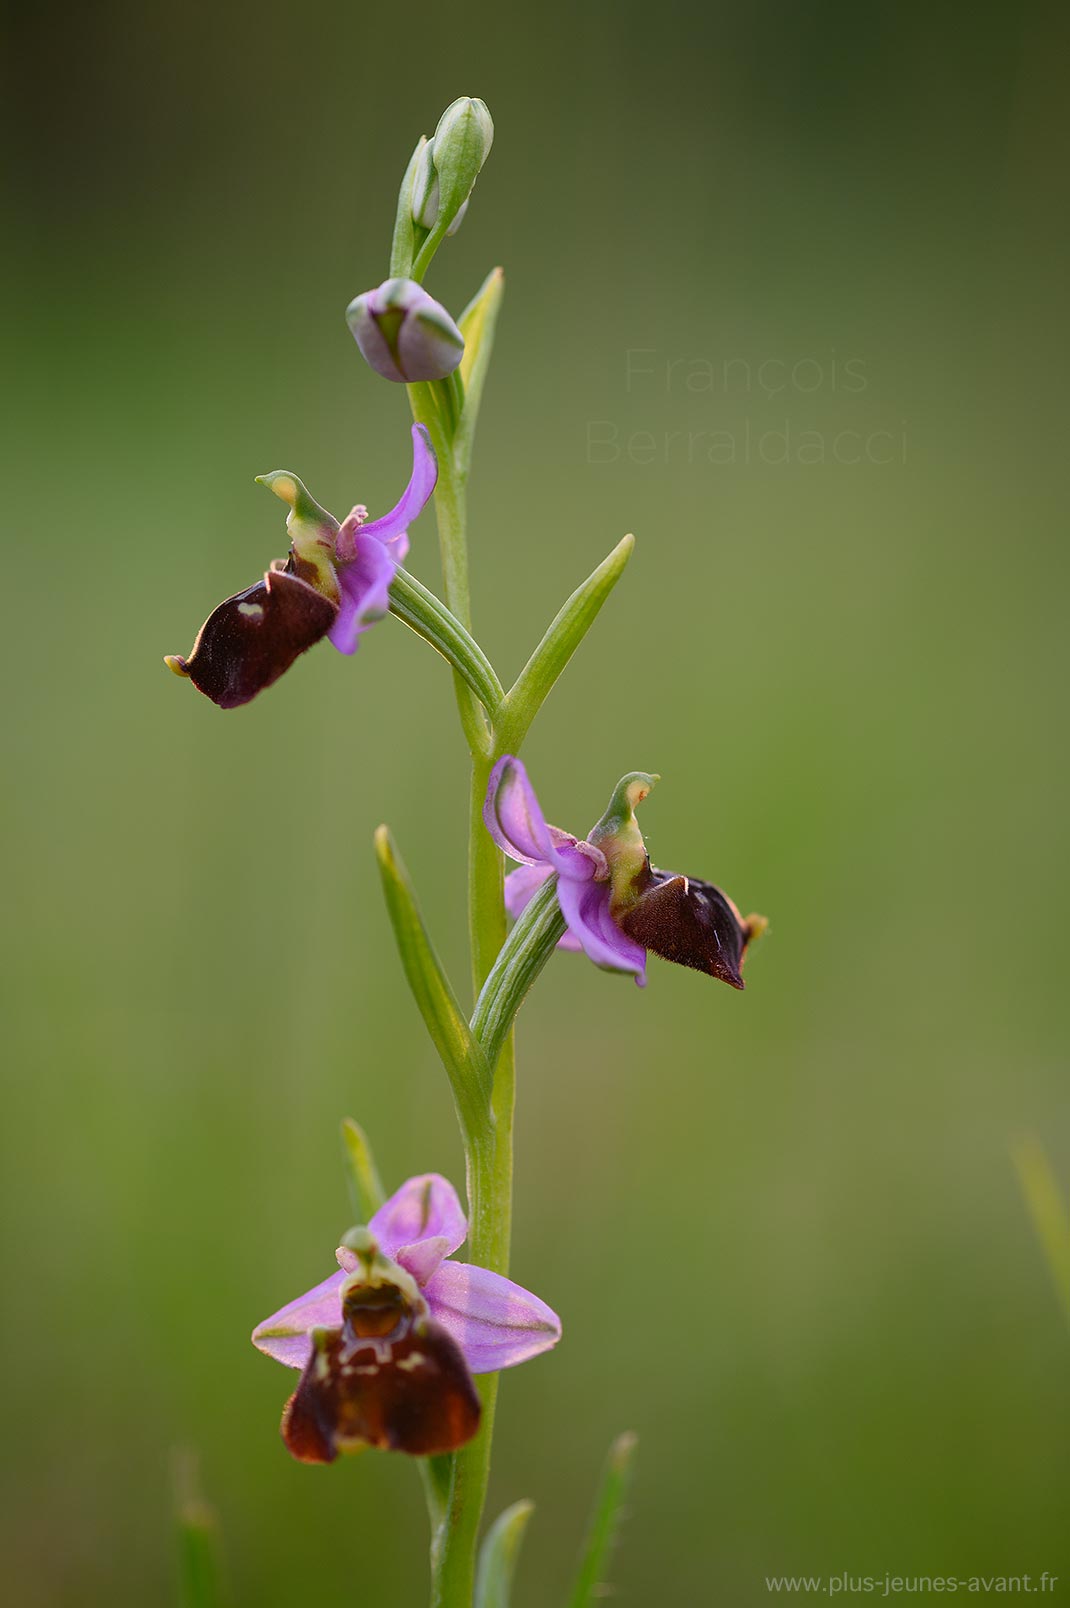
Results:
<point x="449" y="164"/>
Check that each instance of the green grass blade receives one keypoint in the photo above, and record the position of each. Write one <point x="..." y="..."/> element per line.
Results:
<point x="200" y="1563"/>
<point x="1048" y="1209"/>
<point x="497" y="1558"/>
<point x="365" y="1186"/>
<point x="605" y="1521"/>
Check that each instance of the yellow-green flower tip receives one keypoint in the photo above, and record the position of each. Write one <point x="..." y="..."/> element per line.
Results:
<point x="286" y="486"/>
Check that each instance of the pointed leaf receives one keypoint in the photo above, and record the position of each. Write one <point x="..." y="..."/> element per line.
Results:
<point x="564" y="636"/>
<point x="460" y="1053"/>
<point x="497" y="1558"/>
<point x="477" y="324"/>
<point x="604" y="1522"/>
<point x="425" y="614"/>
<point x="364" y="1183"/>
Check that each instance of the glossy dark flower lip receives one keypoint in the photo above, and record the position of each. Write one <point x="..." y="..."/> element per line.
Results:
<point x="388" y="1377"/>
<point x="253" y="638"/>
<point x="691" y="923"/>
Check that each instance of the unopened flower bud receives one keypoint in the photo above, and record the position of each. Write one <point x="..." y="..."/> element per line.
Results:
<point x="425" y="194"/>
<point x="403" y="333"/>
<point x="449" y="164"/>
<point x="425" y="188"/>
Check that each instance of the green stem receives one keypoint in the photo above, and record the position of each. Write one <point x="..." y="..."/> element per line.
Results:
<point x="433" y="405"/>
<point x="490" y="1199"/>
<point x="456" y="1508"/>
<point x="490" y="1169"/>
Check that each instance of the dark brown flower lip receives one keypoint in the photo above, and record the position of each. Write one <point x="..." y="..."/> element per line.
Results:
<point x="691" y="923"/>
<point x="253" y="638"/>
<point x="407" y="1391"/>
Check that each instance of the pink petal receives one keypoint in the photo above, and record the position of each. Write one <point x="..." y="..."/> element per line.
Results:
<point x="516" y="823"/>
<point x="585" y="906"/>
<point x="513" y="817"/>
<point x="423" y="1258"/>
<point x="365" y="581"/>
<point x="495" y="1322"/>
<point x="285" y="1335"/>
<point x="424" y="1208"/>
<point x="521" y="886"/>
<point x="413" y="499"/>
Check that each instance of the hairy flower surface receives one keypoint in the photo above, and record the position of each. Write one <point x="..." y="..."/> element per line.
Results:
<point x="387" y="1344"/>
<point x="335" y="583"/>
<point x="616" y="905"/>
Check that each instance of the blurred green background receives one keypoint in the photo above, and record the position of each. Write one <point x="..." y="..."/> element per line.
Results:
<point x="782" y="1228"/>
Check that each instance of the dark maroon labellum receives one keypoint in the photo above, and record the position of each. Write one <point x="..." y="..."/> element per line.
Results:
<point x="689" y="922"/>
<point x="390" y="1378"/>
<point x="251" y="639"/>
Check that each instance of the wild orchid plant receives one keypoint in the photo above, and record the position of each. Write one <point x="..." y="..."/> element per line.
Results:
<point x="387" y="1346"/>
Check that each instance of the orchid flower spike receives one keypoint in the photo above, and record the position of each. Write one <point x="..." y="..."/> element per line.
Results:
<point x="335" y="583"/>
<point x="388" y="1345"/>
<point x="615" y="904"/>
